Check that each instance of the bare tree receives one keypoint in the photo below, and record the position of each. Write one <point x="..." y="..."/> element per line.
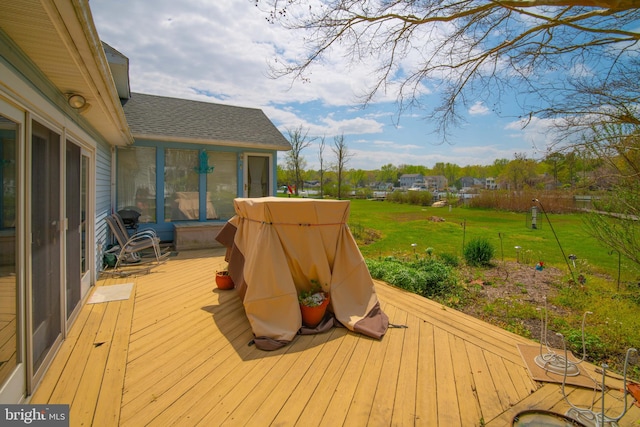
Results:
<point x="342" y="154"/>
<point x="572" y="60"/>
<point x="299" y="140"/>
<point x="617" y="214"/>
<point x="321" y="147"/>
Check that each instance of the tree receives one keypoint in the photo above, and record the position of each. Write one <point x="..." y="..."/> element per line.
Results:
<point x="616" y="218"/>
<point x="357" y="177"/>
<point x="556" y="161"/>
<point x="321" y="147"/>
<point x="342" y="154"/>
<point x="519" y="173"/>
<point x="299" y="140"/>
<point x="583" y="53"/>
<point x="388" y="174"/>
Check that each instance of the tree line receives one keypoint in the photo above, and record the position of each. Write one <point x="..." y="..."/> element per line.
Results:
<point x="577" y="169"/>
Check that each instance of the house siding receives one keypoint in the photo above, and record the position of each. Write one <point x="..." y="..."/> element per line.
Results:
<point x="103" y="200"/>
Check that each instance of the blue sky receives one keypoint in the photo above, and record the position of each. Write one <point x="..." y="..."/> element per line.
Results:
<point x="220" y="51"/>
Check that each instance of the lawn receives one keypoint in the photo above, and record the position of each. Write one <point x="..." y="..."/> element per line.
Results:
<point x="400" y="225"/>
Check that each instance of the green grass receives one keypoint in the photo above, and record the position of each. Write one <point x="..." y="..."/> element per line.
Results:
<point x="400" y="225"/>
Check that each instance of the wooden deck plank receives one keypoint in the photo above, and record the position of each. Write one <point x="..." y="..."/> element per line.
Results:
<point x="521" y="379"/>
<point x="243" y="381"/>
<point x="485" y="386"/>
<point x="341" y="397"/>
<point x="84" y="403"/>
<point x="331" y="376"/>
<point x="384" y="399"/>
<point x="457" y="323"/>
<point x="426" y="397"/>
<point x="470" y="413"/>
<point x="108" y="407"/>
<point x="545" y="397"/>
<point x="139" y="388"/>
<point x="212" y="352"/>
<point x="507" y="392"/>
<point x="404" y="408"/>
<point x="447" y="395"/>
<point x="285" y="389"/>
<point x="362" y="400"/>
<point x="172" y="404"/>
<point x="178" y="355"/>
<point x="254" y="397"/>
<point x="67" y="387"/>
<point x="56" y="369"/>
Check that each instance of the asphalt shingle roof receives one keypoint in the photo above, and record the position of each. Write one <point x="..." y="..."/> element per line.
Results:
<point x="182" y="120"/>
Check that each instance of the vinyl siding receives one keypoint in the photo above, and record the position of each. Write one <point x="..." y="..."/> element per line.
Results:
<point x="103" y="200"/>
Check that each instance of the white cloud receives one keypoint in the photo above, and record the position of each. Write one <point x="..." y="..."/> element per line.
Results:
<point x="478" y="109"/>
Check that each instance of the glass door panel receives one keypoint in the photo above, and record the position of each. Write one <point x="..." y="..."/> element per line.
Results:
<point x="74" y="225"/>
<point x="9" y="337"/>
<point x="257" y="182"/>
<point x="46" y="310"/>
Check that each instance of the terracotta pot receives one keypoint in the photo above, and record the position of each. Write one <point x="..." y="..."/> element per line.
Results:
<point x="312" y="316"/>
<point x="223" y="280"/>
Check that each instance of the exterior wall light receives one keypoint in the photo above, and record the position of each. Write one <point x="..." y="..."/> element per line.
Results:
<point x="76" y="101"/>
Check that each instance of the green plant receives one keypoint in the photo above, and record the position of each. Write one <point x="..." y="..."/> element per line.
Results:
<point x="312" y="297"/>
<point x="426" y="277"/>
<point x="479" y="252"/>
<point x="449" y="259"/>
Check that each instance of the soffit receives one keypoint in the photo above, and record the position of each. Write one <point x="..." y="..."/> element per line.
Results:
<point x="59" y="38"/>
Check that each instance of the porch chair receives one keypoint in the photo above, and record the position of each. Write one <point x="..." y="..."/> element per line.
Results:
<point x="131" y="247"/>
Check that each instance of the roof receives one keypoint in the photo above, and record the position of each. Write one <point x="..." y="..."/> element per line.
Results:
<point x="62" y="44"/>
<point x="181" y="120"/>
<point x="119" y="65"/>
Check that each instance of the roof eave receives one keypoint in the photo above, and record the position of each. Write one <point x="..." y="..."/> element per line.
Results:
<point x="76" y="28"/>
<point x="218" y="142"/>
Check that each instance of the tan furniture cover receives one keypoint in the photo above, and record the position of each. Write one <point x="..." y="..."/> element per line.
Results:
<point x="276" y="246"/>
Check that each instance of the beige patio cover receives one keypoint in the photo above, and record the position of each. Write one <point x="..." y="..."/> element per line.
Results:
<point x="276" y="246"/>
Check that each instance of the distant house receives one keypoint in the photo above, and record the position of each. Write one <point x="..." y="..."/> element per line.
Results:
<point x="77" y="145"/>
<point x="490" y="183"/>
<point x="436" y="182"/>
<point x="408" y="179"/>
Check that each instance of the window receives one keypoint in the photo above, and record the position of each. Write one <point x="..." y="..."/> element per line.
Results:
<point x="136" y="181"/>
<point x="222" y="183"/>
<point x="181" y="185"/>
<point x="189" y="188"/>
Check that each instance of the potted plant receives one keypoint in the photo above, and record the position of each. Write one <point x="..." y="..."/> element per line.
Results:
<point x="223" y="280"/>
<point x="313" y="304"/>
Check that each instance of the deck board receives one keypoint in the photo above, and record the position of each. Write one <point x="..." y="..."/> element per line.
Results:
<point x="177" y="353"/>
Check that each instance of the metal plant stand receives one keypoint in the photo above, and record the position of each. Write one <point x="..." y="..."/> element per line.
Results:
<point x="550" y="360"/>
<point x="589" y="416"/>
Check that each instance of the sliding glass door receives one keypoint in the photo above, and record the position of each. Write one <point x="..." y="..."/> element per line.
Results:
<point x="12" y="366"/>
<point x="46" y="229"/>
<point x="77" y="205"/>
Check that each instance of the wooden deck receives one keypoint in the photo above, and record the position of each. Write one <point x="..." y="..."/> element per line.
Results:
<point x="177" y="353"/>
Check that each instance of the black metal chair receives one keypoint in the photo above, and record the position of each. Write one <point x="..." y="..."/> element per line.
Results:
<point x="131" y="249"/>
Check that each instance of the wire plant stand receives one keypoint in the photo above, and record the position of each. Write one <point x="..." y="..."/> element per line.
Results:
<point x="590" y="416"/>
<point x="550" y="360"/>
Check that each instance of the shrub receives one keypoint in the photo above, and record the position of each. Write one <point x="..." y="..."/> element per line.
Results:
<point x="426" y="277"/>
<point x="449" y="259"/>
<point x="479" y="252"/>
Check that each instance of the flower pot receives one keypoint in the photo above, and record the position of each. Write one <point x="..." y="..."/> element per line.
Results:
<point x="312" y="316"/>
<point x="223" y="280"/>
